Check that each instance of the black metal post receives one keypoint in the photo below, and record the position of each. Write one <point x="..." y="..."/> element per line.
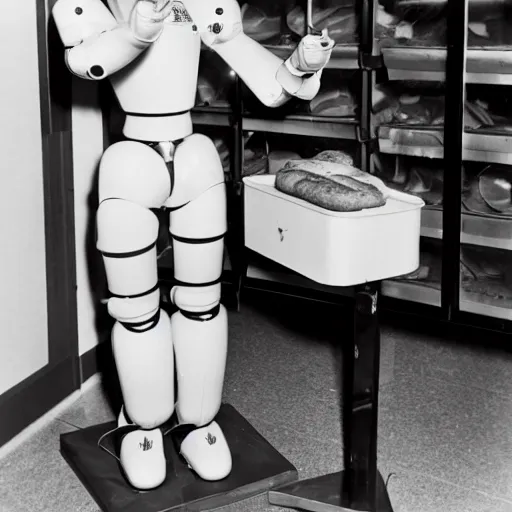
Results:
<point x="456" y="21"/>
<point x="361" y="397"/>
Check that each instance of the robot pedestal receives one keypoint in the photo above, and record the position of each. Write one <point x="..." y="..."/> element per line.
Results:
<point x="360" y="487"/>
<point x="257" y="467"/>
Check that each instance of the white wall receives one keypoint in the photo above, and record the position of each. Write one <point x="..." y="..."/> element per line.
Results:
<point x="87" y="151"/>
<point x="23" y="309"/>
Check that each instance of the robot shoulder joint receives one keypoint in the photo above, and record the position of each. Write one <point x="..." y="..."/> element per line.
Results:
<point x="78" y="19"/>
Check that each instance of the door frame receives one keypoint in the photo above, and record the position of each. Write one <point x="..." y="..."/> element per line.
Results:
<point x="28" y="400"/>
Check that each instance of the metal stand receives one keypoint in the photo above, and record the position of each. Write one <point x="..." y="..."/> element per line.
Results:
<point x="360" y="486"/>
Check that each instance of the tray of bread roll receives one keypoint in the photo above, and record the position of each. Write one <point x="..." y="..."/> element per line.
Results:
<point x="332" y="222"/>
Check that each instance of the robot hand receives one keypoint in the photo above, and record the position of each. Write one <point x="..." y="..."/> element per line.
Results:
<point x="146" y="20"/>
<point x="311" y="55"/>
<point x="218" y="22"/>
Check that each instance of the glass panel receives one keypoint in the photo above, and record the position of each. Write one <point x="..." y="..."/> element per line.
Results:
<point x="486" y="234"/>
<point x="424" y="284"/>
<point x="283" y="23"/>
<point x="215" y="83"/>
<point x="417" y="23"/>
<point x="266" y="152"/>
<point x="336" y="100"/>
<point x="409" y="120"/>
<point x="489" y="23"/>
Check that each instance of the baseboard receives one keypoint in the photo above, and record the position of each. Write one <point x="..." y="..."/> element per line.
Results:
<point x="31" y="399"/>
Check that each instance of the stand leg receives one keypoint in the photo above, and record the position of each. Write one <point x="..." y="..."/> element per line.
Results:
<point x="360" y="487"/>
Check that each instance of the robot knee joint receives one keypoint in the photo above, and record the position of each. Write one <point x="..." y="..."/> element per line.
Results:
<point x="201" y="303"/>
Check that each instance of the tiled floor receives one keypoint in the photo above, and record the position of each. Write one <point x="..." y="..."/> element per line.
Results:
<point x="445" y="425"/>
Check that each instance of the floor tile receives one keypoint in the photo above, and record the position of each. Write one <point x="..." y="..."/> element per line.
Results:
<point x="459" y="434"/>
<point x="413" y="492"/>
<point x="460" y="363"/>
<point x="36" y="478"/>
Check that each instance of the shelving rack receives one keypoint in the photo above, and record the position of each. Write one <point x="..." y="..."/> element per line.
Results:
<point x="449" y="225"/>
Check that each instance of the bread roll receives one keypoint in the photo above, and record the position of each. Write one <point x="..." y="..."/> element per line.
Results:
<point x="332" y="155"/>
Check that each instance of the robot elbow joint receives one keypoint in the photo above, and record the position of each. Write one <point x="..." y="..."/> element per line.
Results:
<point x="80" y="65"/>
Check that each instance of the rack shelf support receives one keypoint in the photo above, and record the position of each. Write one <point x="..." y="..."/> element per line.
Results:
<point x="360" y="487"/>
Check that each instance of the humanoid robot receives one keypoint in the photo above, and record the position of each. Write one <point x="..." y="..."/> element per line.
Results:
<point x="150" y="51"/>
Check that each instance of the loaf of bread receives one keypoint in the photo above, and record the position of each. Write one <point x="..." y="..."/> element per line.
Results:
<point x="332" y="170"/>
<point x="336" y="192"/>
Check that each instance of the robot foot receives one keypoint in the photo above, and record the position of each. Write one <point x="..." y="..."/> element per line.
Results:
<point x="206" y="451"/>
<point x="140" y="453"/>
<point x="142" y="458"/>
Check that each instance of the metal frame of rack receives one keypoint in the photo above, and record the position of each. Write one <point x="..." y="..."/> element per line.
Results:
<point x="456" y="66"/>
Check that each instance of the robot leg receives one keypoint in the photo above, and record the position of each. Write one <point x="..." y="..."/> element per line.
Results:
<point x="134" y="178"/>
<point x="199" y="327"/>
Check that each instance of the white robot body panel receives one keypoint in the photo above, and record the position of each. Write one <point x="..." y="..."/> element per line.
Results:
<point x="191" y="219"/>
<point x="76" y="21"/>
<point x="158" y="128"/>
<point x="127" y="235"/>
<point x="258" y="72"/>
<point x="135" y="172"/>
<point x="198" y="263"/>
<point x="196" y="299"/>
<point x="103" y="54"/>
<point x="200" y="348"/>
<point x="200" y="168"/>
<point x="207" y="451"/>
<point x="143" y="457"/>
<point x="121" y="9"/>
<point x="163" y="80"/>
<point x="145" y="363"/>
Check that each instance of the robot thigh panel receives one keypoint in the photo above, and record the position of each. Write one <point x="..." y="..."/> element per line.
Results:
<point x="199" y="327"/>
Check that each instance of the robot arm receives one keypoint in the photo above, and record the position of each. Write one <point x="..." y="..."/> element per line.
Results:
<point x="96" y="44"/>
<point x="273" y="81"/>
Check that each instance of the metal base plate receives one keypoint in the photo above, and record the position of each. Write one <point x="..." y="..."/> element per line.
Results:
<point x="325" y="494"/>
<point x="257" y="467"/>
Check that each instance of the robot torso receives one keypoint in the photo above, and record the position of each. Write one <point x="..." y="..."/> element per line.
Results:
<point x="163" y="80"/>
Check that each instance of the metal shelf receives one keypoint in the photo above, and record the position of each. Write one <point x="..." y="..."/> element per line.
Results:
<point x="469" y="304"/>
<point x="478" y="147"/>
<point x="483" y="66"/>
<point x="481" y="230"/>
<point x="344" y="56"/>
<point x="211" y="116"/>
<point x="486" y="231"/>
<point x="412" y="291"/>
<point x="330" y="127"/>
<point x="432" y="223"/>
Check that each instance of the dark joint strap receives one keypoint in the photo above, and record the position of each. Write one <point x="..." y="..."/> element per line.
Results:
<point x="165" y="114"/>
<point x="203" y="316"/>
<point x="130" y="254"/>
<point x="137" y="295"/>
<point x="170" y="170"/>
<point x="198" y="240"/>
<point x="180" y="432"/>
<point x="177" y="282"/>
<point x="174" y="208"/>
<point x="151" y="324"/>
